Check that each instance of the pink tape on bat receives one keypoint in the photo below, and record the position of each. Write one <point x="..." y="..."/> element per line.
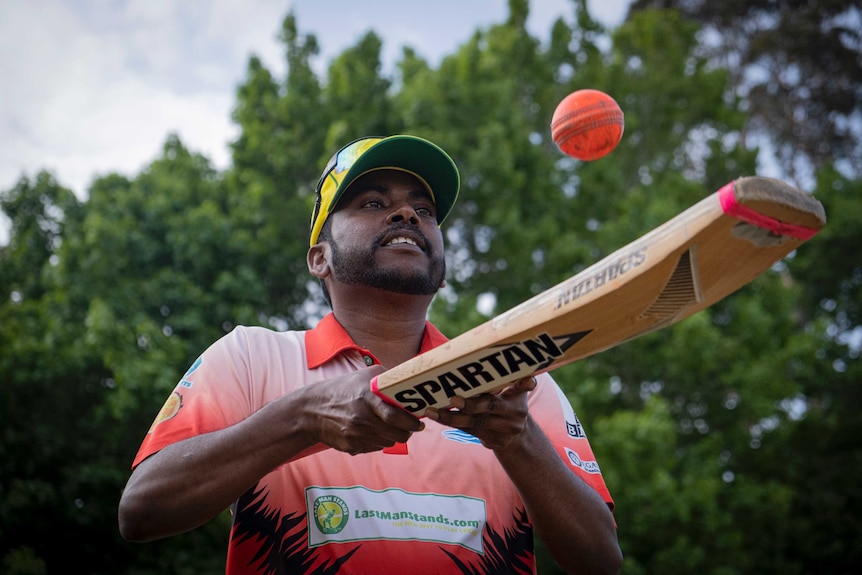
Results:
<point x="376" y="390"/>
<point x="733" y="208"/>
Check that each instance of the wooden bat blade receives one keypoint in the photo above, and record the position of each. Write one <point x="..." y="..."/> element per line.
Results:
<point x="681" y="267"/>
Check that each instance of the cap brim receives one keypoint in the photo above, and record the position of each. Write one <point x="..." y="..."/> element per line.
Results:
<point x="423" y="158"/>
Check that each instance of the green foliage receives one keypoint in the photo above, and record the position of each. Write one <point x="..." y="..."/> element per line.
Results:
<point x="667" y="505"/>
<point x="23" y="561"/>
<point x="797" y="64"/>
<point x="37" y="211"/>
<point x="728" y="440"/>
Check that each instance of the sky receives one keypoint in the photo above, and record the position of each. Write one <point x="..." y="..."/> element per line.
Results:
<point x="91" y="87"/>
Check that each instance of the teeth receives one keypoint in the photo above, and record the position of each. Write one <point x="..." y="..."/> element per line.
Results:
<point x="401" y="240"/>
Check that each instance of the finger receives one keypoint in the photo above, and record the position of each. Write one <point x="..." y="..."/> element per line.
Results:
<point x="528" y="383"/>
<point x="370" y="436"/>
<point x="458" y="419"/>
<point x="394" y="416"/>
<point x="388" y="413"/>
<point x="474" y="413"/>
<point x="525" y="385"/>
<point x="483" y="403"/>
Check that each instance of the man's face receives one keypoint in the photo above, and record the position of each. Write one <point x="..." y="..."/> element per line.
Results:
<point x="384" y="234"/>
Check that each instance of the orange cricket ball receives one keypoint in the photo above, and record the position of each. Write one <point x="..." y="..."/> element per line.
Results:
<point x="587" y="125"/>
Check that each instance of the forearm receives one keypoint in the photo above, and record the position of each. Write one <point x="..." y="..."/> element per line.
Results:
<point x="190" y="482"/>
<point x="568" y="515"/>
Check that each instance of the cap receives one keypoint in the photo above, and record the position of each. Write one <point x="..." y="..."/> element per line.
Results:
<point x="423" y="159"/>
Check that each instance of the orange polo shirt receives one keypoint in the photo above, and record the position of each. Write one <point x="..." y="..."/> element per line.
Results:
<point x="441" y="504"/>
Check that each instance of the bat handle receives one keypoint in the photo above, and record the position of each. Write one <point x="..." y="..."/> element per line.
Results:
<point x="375" y="388"/>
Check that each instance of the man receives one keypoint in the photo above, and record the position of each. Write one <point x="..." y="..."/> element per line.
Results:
<point x="317" y="470"/>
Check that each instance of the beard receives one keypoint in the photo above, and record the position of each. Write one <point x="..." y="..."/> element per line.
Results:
<point x="355" y="266"/>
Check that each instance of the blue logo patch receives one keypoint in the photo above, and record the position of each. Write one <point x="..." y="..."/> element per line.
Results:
<point x="460" y="436"/>
<point x="185" y="380"/>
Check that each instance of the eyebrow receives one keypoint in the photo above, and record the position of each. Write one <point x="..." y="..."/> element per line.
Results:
<point x="419" y="192"/>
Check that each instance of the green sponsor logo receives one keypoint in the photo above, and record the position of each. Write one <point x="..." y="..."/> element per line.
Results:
<point x="330" y="514"/>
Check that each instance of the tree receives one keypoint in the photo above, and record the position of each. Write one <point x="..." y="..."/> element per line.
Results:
<point x="797" y="65"/>
<point x="726" y="440"/>
<point x="89" y="355"/>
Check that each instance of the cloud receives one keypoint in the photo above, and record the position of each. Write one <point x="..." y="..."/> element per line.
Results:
<point x="95" y="86"/>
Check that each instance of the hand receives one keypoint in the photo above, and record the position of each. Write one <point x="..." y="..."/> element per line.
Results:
<point x="496" y="419"/>
<point x="349" y="417"/>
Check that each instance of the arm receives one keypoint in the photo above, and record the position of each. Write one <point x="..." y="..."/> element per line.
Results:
<point x="581" y="535"/>
<point x="188" y="483"/>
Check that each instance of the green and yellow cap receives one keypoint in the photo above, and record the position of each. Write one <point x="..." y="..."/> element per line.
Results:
<point x="411" y="154"/>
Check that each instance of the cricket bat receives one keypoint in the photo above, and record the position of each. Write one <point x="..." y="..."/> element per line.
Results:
<point x="688" y="263"/>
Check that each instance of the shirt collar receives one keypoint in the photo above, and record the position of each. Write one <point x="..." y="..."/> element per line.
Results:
<point x="329" y="338"/>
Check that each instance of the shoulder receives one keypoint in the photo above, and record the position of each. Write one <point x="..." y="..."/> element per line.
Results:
<point x="256" y="331"/>
<point x="244" y="338"/>
<point x="548" y="393"/>
<point x="552" y="410"/>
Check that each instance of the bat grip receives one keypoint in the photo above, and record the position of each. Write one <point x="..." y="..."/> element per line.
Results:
<point x="375" y="389"/>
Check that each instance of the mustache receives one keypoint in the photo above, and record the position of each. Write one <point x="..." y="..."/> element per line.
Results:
<point x="410" y="231"/>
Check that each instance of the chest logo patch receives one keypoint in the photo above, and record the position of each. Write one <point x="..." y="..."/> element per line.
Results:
<point x="331" y="514"/>
<point x="357" y="513"/>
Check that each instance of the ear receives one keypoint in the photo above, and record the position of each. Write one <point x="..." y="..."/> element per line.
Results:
<point x="318" y="260"/>
<point x="443" y="284"/>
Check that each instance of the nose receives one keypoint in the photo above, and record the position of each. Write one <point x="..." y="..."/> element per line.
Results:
<point x="403" y="213"/>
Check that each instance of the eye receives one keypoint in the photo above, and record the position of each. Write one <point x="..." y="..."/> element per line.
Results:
<point x="424" y="211"/>
<point x="372" y="203"/>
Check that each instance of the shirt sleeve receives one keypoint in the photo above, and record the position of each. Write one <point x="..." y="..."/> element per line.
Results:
<point x="211" y="395"/>
<point x="552" y="410"/>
